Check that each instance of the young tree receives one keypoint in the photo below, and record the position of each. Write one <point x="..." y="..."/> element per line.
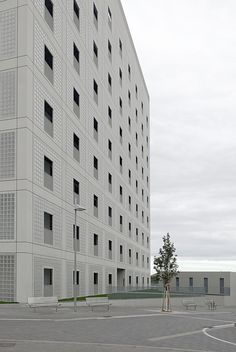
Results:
<point x="166" y="267"/>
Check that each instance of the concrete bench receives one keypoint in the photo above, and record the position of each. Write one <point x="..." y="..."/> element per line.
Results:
<point x="93" y="302"/>
<point x="189" y="304"/>
<point x="35" y="302"/>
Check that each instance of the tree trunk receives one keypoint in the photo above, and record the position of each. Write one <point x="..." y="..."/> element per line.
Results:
<point x="166" y="299"/>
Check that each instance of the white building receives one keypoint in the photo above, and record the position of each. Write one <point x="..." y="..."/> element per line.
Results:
<point x="74" y="128"/>
<point x="220" y="285"/>
<point x="205" y="282"/>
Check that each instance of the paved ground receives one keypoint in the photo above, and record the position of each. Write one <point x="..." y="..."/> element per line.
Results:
<point x="139" y="328"/>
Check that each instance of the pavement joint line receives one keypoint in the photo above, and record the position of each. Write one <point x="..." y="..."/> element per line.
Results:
<point x="115" y="317"/>
<point x="205" y="331"/>
<point x="169" y="349"/>
<point x="188" y="313"/>
<point x="199" y="318"/>
<point x="84" y="318"/>
<point x="166" y="337"/>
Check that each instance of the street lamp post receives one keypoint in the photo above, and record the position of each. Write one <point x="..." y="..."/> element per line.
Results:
<point x="78" y="208"/>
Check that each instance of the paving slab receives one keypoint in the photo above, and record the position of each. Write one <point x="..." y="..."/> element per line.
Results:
<point x="125" y="328"/>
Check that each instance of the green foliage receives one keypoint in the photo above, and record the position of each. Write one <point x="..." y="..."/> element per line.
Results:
<point x="166" y="263"/>
<point x="81" y="298"/>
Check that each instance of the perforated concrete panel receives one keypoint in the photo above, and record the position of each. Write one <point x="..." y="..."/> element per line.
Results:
<point x="7" y="277"/>
<point x="8" y="38"/>
<point x="7" y="216"/>
<point x="7" y="94"/>
<point x="7" y="155"/>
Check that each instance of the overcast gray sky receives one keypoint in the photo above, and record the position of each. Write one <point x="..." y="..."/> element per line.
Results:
<point x="187" y="50"/>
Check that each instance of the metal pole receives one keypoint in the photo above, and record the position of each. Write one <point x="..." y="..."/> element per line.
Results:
<point x="75" y="267"/>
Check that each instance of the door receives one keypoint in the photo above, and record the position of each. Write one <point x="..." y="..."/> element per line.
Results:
<point x="205" y="284"/>
<point x="48" y="282"/>
<point x="222" y="285"/>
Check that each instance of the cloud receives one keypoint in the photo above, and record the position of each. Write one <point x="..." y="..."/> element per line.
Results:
<point x="187" y="50"/>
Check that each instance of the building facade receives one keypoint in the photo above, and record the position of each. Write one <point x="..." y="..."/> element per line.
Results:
<point x="74" y="129"/>
<point x="203" y="282"/>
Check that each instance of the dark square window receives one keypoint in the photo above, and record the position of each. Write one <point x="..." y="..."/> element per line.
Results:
<point x="95" y="12"/>
<point x="121" y="219"/>
<point x="95" y="86"/>
<point x="109" y="115"/>
<point x="95" y="239"/>
<point x="48" y="166"/>
<point x="48" y="111"/>
<point x="95" y="124"/>
<point x="109" y="279"/>
<point x="48" y="277"/>
<point x="95" y="201"/>
<point x="109" y="79"/>
<point x="95" y="162"/>
<point x="109" y="47"/>
<point x="109" y="15"/>
<point x="191" y="282"/>
<point x="48" y="57"/>
<point x="109" y="112"/>
<point x="76" y="141"/>
<point x="129" y="95"/>
<point x="48" y="221"/>
<point x="76" y="9"/>
<point x="49" y="6"/>
<point x="95" y="278"/>
<point x="120" y="45"/>
<point x="76" y="234"/>
<point x="76" y="97"/>
<point x="77" y="277"/>
<point x="76" y="186"/>
<point x="120" y="74"/>
<point x="95" y="49"/>
<point x="76" y="52"/>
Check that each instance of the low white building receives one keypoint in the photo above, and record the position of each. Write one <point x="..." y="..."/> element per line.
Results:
<point x="207" y="282"/>
<point x="218" y="283"/>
